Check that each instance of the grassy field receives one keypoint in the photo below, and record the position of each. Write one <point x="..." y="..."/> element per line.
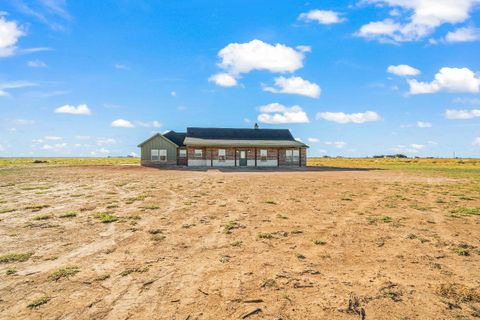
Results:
<point x="8" y="162"/>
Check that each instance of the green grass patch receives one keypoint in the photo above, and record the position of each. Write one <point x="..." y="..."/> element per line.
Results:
<point x="462" y="211"/>
<point x="43" y="216"/>
<point x="229" y="226"/>
<point x="106" y="217"/>
<point x="15" y="257"/>
<point x="264" y="235"/>
<point x="128" y="271"/>
<point x="37" y="207"/>
<point x="38" y="302"/>
<point x="64" y="272"/>
<point x="7" y="210"/>
<point x="70" y="214"/>
<point x="10" y="272"/>
<point x="319" y="242"/>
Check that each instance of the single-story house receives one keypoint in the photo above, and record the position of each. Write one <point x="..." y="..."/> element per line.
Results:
<point x="224" y="147"/>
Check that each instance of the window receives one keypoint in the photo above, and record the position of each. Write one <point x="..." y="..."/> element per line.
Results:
<point x="288" y="155"/>
<point x="182" y="153"/>
<point x="296" y="155"/>
<point x="154" y="155"/>
<point x="163" y="154"/>
<point x="263" y="155"/>
<point x="198" y="153"/>
<point x="221" y="155"/>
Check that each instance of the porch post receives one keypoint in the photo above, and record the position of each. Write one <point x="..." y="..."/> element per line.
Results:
<point x="255" y="157"/>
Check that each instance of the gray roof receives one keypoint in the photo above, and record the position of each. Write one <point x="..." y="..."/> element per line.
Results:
<point x="176" y="137"/>
<point x="240" y="134"/>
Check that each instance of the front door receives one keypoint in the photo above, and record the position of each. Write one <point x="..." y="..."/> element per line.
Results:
<point x="243" y="158"/>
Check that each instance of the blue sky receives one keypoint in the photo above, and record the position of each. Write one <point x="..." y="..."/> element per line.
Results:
<point x="350" y="78"/>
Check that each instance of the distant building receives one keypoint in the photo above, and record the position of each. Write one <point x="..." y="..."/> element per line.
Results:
<point x="224" y="147"/>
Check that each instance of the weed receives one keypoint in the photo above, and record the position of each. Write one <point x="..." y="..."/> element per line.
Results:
<point x="7" y="210"/>
<point x="375" y="219"/>
<point x="300" y="256"/>
<point x="224" y="259"/>
<point x="264" y="235"/>
<point x="10" y="272"/>
<point x="69" y="214"/>
<point x="38" y="302"/>
<point x="229" y="226"/>
<point x="150" y="207"/>
<point x="270" y="202"/>
<point x="103" y="277"/>
<point x="458" y="292"/>
<point x="112" y="206"/>
<point x="155" y="231"/>
<point x="462" y="252"/>
<point x="128" y="271"/>
<point x="462" y="211"/>
<point x="64" y="272"/>
<point x="319" y="242"/>
<point x="43" y="216"/>
<point x="140" y="197"/>
<point x="269" y="283"/>
<point x="281" y="216"/>
<point x="237" y="243"/>
<point x="106" y="217"/>
<point x="158" y="237"/>
<point x="15" y="257"/>
<point x="38" y="207"/>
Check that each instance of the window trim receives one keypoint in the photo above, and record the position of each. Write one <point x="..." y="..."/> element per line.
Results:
<point x="180" y="151"/>
<point x="160" y="155"/>
<point x="198" y="154"/>
<point x="263" y="158"/>
<point x="222" y="158"/>
<point x="152" y="155"/>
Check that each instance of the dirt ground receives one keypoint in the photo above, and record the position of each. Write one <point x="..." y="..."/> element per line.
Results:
<point x="125" y="242"/>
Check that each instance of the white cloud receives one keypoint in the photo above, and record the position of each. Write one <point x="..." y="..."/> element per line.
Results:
<point x="423" y="125"/>
<point x="23" y="122"/>
<point x="10" y="32"/>
<point x="151" y="124"/>
<point x="476" y="142"/>
<point x="472" y="101"/>
<point x="52" y="138"/>
<point x="54" y="147"/>
<point x="295" y="85"/>
<point x="423" y="17"/>
<point x="341" y="117"/>
<point x="101" y="151"/>
<point x="466" y="34"/>
<point x="105" y="141"/>
<point x="173" y="94"/>
<point x="120" y="66"/>
<point x="336" y="144"/>
<point x="321" y="16"/>
<point x="121" y="123"/>
<point x="82" y="137"/>
<point x="463" y="114"/>
<point x="223" y="79"/>
<point x="4" y="86"/>
<point x="411" y="148"/>
<point x="403" y="70"/>
<point x="237" y="58"/>
<point x="275" y="113"/>
<point x="448" y="79"/>
<point x="36" y="64"/>
<point x="313" y="140"/>
<point x="81" y="109"/>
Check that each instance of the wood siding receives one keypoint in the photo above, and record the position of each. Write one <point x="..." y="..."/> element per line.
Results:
<point x="159" y="142"/>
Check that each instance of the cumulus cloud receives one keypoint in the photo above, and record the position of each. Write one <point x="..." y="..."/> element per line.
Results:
<point x="463" y="114"/>
<point x="423" y="125"/>
<point x="295" y="85"/>
<point x="10" y="32"/>
<point x="121" y="123"/>
<point x="36" y="64"/>
<point x="237" y="58"/>
<point x="416" y="19"/>
<point x="5" y="86"/>
<point x="81" y="109"/>
<point x="466" y="34"/>
<point x="341" y="117"/>
<point x="276" y="113"/>
<point x="403" y="70"/>
<point x="223" y="80"/>
<point x="313" y="140"/>
<point x="321" y="16"/>
<point x="448" y="79"/>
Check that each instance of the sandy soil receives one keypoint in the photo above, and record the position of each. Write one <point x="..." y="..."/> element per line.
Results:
<point x="231" y="245"/>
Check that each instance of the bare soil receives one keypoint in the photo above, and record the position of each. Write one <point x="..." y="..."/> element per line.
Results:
<point x="172" y="244"/>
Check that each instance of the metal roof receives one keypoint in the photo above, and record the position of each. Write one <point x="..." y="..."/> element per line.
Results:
<point x="176" y="137"/>
<point x="242" y="143"/>
<point x="240" y="134"/>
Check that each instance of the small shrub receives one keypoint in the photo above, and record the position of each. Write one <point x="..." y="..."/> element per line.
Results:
<point x="237" y="243"/>
<point x="15" y="257"/>
<point x="319" y="242"/>
<point x="10" y="272"/>
<point x="64" y="272"/>
<point x="38" y="302"/>
<point x="462" y="211"/>
<point x="106" y="217"/>
<point x="7" y="210"/>
<point x="230" y="226"/>
<point x="158" y="237"/>
<point x="270" y="202"/>
<point x="458" y="292"/>
<point x="150" y="207"/>
<point x="300" y="256"/>
<point x="36" y="208"/>
<point x="128" y="271"/>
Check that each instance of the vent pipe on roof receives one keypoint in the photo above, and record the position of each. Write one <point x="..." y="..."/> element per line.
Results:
<point x="256" y="126"/>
